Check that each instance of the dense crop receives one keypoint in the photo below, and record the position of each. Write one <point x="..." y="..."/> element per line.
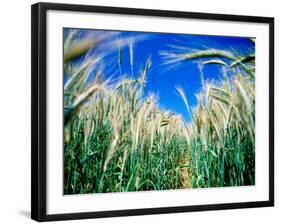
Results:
<point x="117" y="139"/>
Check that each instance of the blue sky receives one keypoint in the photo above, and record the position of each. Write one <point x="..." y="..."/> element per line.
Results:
<point x="163" y="79"/>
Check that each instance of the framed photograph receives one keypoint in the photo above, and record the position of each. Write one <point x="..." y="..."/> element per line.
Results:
<point x="139" y="111"/>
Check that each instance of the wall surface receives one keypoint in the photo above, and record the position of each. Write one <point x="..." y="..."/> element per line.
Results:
<point x="15" y="110"/>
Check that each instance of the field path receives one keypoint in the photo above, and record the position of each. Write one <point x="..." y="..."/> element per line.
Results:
<point x="185" y="180"/>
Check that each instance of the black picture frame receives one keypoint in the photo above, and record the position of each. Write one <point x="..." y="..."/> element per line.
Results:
<point x="39" y="108"/>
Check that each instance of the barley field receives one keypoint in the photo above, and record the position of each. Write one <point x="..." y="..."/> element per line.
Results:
<point x="120" y="135"/>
